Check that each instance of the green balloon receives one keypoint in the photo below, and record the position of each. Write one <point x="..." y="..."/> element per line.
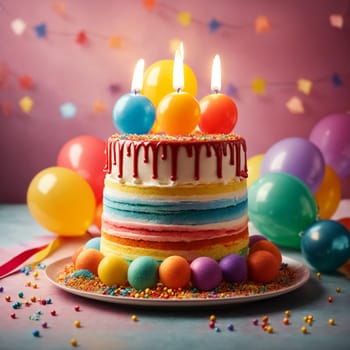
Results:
<point x="281" y="206"/>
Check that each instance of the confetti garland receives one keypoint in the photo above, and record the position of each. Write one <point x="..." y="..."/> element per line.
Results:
<point x="258" y="86"/>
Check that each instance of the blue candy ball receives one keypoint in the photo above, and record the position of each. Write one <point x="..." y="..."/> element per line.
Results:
<point x="326" y="245"/>
<point x="143" y="272"/>
<point x="93" y="243"/>
<point x="133" y="114"/>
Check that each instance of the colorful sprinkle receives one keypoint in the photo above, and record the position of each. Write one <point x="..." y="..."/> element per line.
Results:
<point x="36" y="333"/>
<point x="303" y="330"/>
<point x="53" y="312"/>
<point x="13" y="315"/>
<point x="255" y="322"/>
<point x="74" y="342"/>
<point x="8" y="298"/>
<point x="77" y="308"/>
<point x="134" y="318"/>
<point x="1" y="289"/>
<point x="338" y="290"/>
<point x="318" y="275"/>
<point x="331" y="321"/>
<point x="230" y="327"/>
<point x="286" y="321"/>
<point x="44" y="325"/>
<point x="20" y="294"/>
<point x="77" y="324"/>
<point x="212" y="324"/>
<point x="212" y="318"/>
<point x="330" y="299"/>
<point x="287" y="313"/>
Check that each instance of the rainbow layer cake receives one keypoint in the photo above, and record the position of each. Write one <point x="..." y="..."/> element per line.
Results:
<point x="183" y="195"/>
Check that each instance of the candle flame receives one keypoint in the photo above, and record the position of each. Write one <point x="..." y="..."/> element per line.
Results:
<point x="178" y="70"/>
<point x="137" y="80"/>
<point x="216" y="74"/>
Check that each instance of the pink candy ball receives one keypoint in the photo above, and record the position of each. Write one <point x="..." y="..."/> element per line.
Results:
<point x="206" y="273"/>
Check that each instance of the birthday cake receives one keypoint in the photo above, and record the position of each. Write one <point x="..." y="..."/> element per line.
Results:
<point x="183" y="195"/>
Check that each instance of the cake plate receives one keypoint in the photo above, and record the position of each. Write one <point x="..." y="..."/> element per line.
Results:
<point x="301" y="276"/>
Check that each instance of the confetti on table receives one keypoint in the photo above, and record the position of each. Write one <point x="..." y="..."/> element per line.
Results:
<point x="115" y="88"/>
<point x="40" y="30"/>
<point x="336" y="21"/>
<point x="336" y="80"/>
<point x="295" y="105"/>
<point x="258" y="85"/>
<point x="262" y="24"/>
<point x="26" y="104"/>
<point x="304" y="85"/>
<point x="231" y="90"/>
<point x="214" y="25"/>
<point x="184" y="18"/>
<point x="59" y="8"/>
<point x="81" y="38"/>
<point x="99" y="106"/>
<point x="25" y="82"/>
<point x="68" y="110"/>
<point x="18" y="26"/>
<point x="149" y="4"/>
<point x="115" y="42"/>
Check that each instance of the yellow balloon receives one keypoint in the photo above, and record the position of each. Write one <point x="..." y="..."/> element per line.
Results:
<point x="61" y="201"/>
<point x="254" y="165"/>
<point x="328" y="194"/>
<point x="158" y="81"/>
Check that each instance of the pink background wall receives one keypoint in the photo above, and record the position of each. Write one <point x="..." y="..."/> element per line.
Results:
<point x="301" y="43"/>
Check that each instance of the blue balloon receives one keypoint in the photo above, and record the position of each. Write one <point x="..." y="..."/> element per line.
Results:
<point x="133" y="114"/>
<point x="326" y="245"/>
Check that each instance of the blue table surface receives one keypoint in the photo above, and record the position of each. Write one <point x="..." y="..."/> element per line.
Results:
<point x="170" y="328"/>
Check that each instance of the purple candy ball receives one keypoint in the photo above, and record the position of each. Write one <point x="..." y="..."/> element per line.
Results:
<point x="255" y="238"/>
<point x="234" y="268"/>
<point x="206" y="273"/>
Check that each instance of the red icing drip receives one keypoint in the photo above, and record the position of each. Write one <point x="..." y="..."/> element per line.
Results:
<point x="222" y="148"/>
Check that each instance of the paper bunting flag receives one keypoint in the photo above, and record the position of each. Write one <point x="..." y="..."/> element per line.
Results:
<point x="5" y="108"/>
<point x="115" y="42"/>
<point x="81" y="38"/>
<point x="99" y="106"/>
<point x="26" y="104"/>
<point x="336" y="80"/>
<point x="18" y="26"/>
<point x="149" y="4"/>
<point x="25" y="82"/>
<point x="262" y="24"/>
<point x="336" y="21"/>
<point x="59" y="8"/>
<point x="295" y="105"/>
<point x="259" y="85"/>
<point x="40" y="30"/>
<point x="68" y="110"/>
<point x="304" y="86"/>
<point x="184" y="18"/>
<point x="214" y="25"/>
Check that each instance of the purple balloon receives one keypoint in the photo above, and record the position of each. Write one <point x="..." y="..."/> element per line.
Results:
<point x="332" y="135"/>
<point x="298" y="157"/>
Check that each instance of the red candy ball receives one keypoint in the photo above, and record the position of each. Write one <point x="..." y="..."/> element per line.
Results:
<point x="263" y="267"/>
<point x="218" y="114"/>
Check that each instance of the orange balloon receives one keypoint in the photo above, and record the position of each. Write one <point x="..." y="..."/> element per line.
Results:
<point x="178" y="113"/>
<point x="329" y="194"/>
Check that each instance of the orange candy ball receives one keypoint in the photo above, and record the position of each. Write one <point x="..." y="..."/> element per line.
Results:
<point x="178" y="113"/>
<point x="268" y="246"/>
<point x="76" y="253"/>
<point x="263" y="267"/>
<point x="175" y="272"/>
<point x="89" y="259"/>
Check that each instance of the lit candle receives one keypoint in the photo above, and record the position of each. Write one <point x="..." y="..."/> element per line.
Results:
<point x="134" y="113"/>
<point x="178" y="113"/>
<point x="218" y="111"/>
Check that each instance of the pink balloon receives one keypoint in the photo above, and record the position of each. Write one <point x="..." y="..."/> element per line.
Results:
<point x="85" y="155"/>
<point x="332" y="136"/>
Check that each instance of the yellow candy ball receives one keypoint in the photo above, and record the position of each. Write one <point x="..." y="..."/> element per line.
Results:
<point x="178" y="113"/>
<point x="113" y="270"/>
